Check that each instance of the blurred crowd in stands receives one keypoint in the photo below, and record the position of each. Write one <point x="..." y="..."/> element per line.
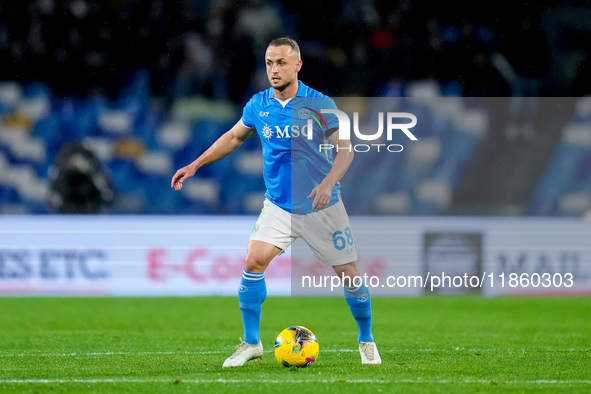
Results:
<point x="215" y="48"/>
<point x="129" y="90"/>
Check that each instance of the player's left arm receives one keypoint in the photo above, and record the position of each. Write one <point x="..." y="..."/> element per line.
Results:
<point x="323" y="192"/>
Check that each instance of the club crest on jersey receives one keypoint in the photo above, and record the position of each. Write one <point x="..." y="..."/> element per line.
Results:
<point x="267" y="132"/>
<point x="306" y="113"/>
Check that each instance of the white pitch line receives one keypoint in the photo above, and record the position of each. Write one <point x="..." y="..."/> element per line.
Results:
<point x="205" y="352"/>
<point x="222" y="232"/>
<point x="247" y="231"/>
<point x="90" y="354"/>
<point x="276" y="381"/>
<point x="69" y="247"/>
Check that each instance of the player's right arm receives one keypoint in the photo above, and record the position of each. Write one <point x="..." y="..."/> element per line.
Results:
<point x="224" y="145"/>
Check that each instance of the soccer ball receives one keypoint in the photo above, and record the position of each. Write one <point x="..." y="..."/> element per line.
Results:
<point x="296" y="347"/>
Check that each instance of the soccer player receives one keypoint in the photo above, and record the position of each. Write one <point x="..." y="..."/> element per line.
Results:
<point x="288" y="208"/>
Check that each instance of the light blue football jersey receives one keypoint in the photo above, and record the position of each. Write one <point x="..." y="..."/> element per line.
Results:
<point x="293" y="163"/>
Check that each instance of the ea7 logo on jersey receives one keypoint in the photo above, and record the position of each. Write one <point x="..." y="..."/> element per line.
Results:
<point x="262" y="113"/>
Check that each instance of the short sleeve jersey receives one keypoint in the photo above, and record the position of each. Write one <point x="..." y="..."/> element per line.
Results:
<point x="294" y="163"/>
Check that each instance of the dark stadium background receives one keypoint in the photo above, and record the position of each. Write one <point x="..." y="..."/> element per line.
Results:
<point x="149" y="85"/>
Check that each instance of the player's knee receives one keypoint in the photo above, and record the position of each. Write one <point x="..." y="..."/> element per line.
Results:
<point x="254" y="264"/>
<point x="348" y="271"/>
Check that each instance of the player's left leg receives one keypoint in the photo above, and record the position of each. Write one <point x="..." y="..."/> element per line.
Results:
<point x="321" y="229"/>
<point x="357" y="296"/>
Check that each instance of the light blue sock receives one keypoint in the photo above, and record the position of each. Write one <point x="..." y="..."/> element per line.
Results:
<point x="360" y="305"/>
<point x="251" y="294"/>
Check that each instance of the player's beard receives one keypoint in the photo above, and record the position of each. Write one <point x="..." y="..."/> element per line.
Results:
<point x="281" y="88"/>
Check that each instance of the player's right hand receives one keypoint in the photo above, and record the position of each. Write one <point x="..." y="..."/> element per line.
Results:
<point x="182" y="175"/>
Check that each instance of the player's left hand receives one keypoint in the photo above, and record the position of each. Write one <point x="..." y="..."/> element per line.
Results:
<point x="321" y="194"/>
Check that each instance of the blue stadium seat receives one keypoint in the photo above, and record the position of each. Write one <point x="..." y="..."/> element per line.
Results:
<point x="146" y="127"/>
<point x="36" y="89"/>
<point x="134" y="105"/>
<point x="5" y="108"/>
<point x="233" y="190"/>
<point x="137" y="84"/>
<point x="424" y="208"/>
<point x="558" y="177"/>
<point x="427" y="125"/>
<point x="35" y="207"/>
<point x="9" y="195"/>
<point x="208" y="131"/>
<point x="161" y="198"/>
<point x="219" y="170"/>
<point x="583" y="173"/>
<point x="125" y="176"/>
<point x="48" y="129"/>
<point x="75" y="121"/>
<point x="450" y="89"/>
<point x="194" y="207"/>
<point x="204" y="134"/>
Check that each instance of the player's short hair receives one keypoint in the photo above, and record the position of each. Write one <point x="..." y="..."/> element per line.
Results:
<point x="290" y="42"/>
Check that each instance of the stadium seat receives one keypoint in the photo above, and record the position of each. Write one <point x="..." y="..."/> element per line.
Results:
<point x="235" y="189"/>
<point x="202" y="195"/>
<point x="423" y="89"/>
<point x="10" y="95"/>
<point x="398" y="203"/>
<point x="208" y="131"/>
<point x="450" y="89"/>
<point x="422" y="156"/>
<point x="434" y="192"/>
<point x="36" y="89"/>
<point x="582" y="110"/>
<point x="174" y="135"/>
<point x="253" y="202"/>
<point x="76" y="119"/>
<point x="9" y="195"/>
<point x="48" y="130"/>
<point x="116" y="122"/>
<point x="574" y="204"/>
<point x="249" y="163"/>
<point x="557" y="178"/>
<point x="125" y="176"/>
<point x="563" y="186"/>
<point x="35" y="206"/>
<point x="136" y="84"/>
<point x="155" y="162"/>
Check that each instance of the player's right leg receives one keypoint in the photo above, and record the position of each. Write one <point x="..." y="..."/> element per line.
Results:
<point x="251" y="294"/>
<point x="271" y="235"/>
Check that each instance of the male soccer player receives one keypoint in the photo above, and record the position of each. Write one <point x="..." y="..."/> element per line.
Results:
<point x="288" y="206"/>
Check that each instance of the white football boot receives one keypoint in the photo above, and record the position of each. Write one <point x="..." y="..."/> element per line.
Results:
<point x="244" y="352"/>
<point x="369" y="353"/>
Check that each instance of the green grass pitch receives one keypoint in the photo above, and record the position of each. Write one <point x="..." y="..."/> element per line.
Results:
<point x="177" y="345"/>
